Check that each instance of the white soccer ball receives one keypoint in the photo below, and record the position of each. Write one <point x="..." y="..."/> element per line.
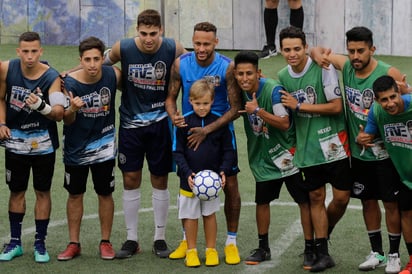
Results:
<point x="207" y="185"/>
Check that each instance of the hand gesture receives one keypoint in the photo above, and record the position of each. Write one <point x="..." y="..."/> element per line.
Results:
<point x="76" y="103"/>
<point x="250" y="106"/>
<point x="179" y="120"/>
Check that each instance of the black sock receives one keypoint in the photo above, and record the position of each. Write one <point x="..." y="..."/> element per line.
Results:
<point x="394" y="242"/>
<point x="375" y="238"/>
<point x="264" y="241"/>
<point x="270" y="18"/>
<point x="309" y="245"/>
<point x="296" y="17"/>
<point x="321" y="246"/>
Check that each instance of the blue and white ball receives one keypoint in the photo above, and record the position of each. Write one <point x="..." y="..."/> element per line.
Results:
<point x="207" y="185"/>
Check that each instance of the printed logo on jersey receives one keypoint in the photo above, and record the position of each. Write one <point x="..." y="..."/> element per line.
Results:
<point x="258" y="126"/>
<point x="359" y="102"/>
<point x="399" y="134"/>
<point x="148" y="76"/>
<point x="96" y="104"/>
<point x="307" y="95"/>
<point x="18" y="97"/>
<point x="213" y="80"/>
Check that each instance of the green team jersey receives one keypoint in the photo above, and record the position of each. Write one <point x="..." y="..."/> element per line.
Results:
<point x="269" y="149"/>
<point x="359" y="98"/>
<point x="320" y="139"/>
<point x="396" y="132"/>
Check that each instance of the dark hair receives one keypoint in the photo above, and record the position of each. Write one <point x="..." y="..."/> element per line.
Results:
<point x="360" y="34"/>
<point x="91" y="43"/>
<point x="29" y="36"/>
<point x="248" y="57"/>
<point x="292" y="32"/>
<point x="205" y="26"/>
<point x="384" y="83"/>
<point x="368" y="93"/>
<point x="149" y="17"/>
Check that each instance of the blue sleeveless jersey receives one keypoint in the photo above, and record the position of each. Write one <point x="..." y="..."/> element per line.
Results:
<point x="145" y="79"/>
<point x="31" y="132"/>
<point x="215" y="73"/>
<point x="91" y="137"/>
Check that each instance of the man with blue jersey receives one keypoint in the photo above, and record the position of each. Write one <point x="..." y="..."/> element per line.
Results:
<point x="90" y="143"/>
<point x="205" y="62"/>
<point x="144" y="127"/>
<point x="30" y="104"/>
<point x="390" y="116"/>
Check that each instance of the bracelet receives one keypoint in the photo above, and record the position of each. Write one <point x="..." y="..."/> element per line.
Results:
<point x="298" y="107"/>
<point x="2" y="125"/>
<point x="256" y="110"/>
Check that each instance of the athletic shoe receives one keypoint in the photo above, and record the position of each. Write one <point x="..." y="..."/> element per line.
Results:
<point x="232" y="254"/>
<point x="257" y="256"/>
<point x="40" y="253"/>
<point x="212" y="257"/>
<point x="180" y="251"/>
<point x="11" y="251"/>
<point x="407" y="269"/>
<point x="192" y="259"/>
<point x="267" y="52"/>
<point x="72" y="250"/>
<point x="393" y="265"/>
<point x="160" y="249"/>
<point x="129" y="248"/>
<point x="309" y="258"/>
<point x="323" y="262"/>
<point x="106" y="251"/>
<point x="373" y="260"/>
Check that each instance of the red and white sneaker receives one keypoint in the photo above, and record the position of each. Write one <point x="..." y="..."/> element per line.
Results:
<point x="106" y="251"/>
<point x="72" y="250"/>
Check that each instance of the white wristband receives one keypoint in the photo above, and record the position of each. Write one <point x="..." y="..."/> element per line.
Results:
<point x="46" y="110"/>
<point x="36" y="105"/>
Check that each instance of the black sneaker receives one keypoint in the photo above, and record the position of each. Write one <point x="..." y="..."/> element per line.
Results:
<point x="267" y="52"/>
<point x="309" y="258"/>
<point x="257" y="256"/>
<point x="129" y="248"/>
<point x="323" y="262"/>
<point x="160" y="249"/>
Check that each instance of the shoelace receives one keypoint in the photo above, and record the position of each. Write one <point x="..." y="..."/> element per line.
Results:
<point x="40" y="247"/>
<point x="8" y="247"/>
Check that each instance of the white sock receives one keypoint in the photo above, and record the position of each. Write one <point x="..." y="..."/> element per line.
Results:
<point x="231" y="238"/>
<point x="131" y="206"/>
<point x="184" y="234"/>
<point x="160" y="203"/>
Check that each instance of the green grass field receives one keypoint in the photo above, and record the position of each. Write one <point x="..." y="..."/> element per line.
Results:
<point x="349" y="242"/>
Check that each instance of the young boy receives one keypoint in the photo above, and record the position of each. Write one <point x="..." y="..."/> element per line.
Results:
<point x="216" y="153"/>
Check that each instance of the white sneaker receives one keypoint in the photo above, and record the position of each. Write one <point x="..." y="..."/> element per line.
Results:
<point x="373" y="260"/>
<point x="393" y="265"/>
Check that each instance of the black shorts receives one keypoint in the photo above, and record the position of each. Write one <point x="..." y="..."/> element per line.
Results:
<point x="18" y="171"/>
<point x="336" y="173"/>
<point x="153" y="141"/>
<point x="405" y="201"/>
<point x="375" y="180"/>
<point x="75" y="178"/>
<point x="269" y="190"/>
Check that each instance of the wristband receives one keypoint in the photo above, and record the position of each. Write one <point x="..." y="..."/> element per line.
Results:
<point x="256" y="110"/>
<point x="46" y="109"/>
<point x="298" y="107"/>
<point x="36" y="105"/>
<point x="2" y="125"/>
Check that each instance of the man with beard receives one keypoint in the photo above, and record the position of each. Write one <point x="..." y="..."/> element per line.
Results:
<point x="205" y="62"/>
<point x="374" y="176"/>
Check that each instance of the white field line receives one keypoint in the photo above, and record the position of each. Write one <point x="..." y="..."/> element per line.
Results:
<point x="277" y="247"/>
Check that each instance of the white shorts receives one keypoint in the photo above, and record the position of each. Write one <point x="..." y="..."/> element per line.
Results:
<point x="194" y="208"/>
